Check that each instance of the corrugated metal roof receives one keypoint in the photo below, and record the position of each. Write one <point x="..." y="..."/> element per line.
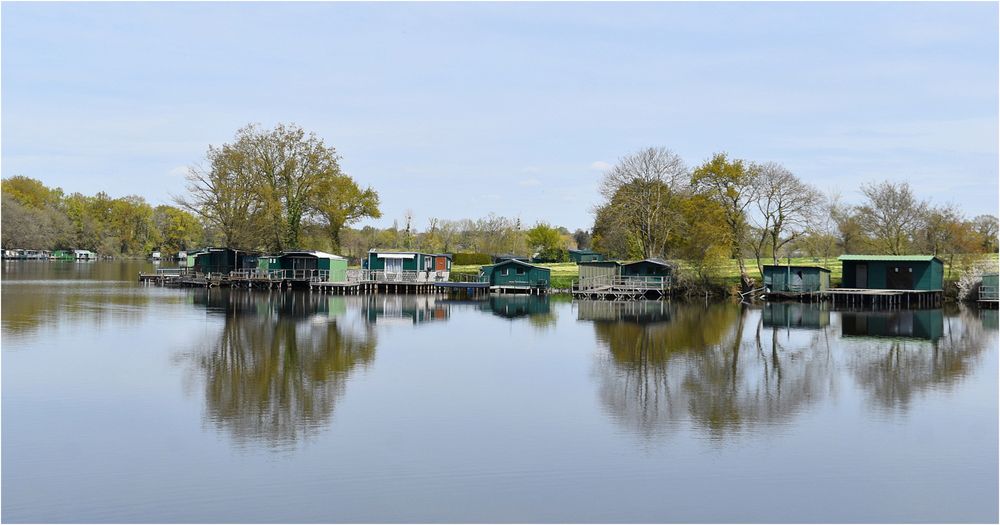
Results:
<point x="796" y="266"/>
<point x="920" y="258"/>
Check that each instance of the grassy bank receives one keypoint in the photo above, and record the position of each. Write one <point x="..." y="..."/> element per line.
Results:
<point x="727" y="273"/>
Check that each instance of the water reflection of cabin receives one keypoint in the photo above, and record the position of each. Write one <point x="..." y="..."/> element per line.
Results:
<point x="514" y="276"/>
<point x="224" y="260"/>
<point x="517" y="306"/>
<point x="642" y="312"/>
<point x="795" y="315"/>
<point x="410" y="309"/>
<point x="306" y="265"/>
<point x="917" y="324"/>
<point x="650" y="278"/>
<point x="581" y="256"/>
<point x="795" y="279"/>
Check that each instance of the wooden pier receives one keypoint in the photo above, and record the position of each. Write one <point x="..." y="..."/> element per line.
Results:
<point x="864" y="297"/>
<point x="624" y="288"/>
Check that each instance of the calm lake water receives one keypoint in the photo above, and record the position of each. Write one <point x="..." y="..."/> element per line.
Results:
<point x="130" y="403"/>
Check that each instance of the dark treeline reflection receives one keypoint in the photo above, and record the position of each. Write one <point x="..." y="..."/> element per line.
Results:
<point x="280" y="363"/>
<point x="41" y="294"/>
<point x="727" y="369"/>
<point x="895" y="356"/>
<point x="715" y="366"/>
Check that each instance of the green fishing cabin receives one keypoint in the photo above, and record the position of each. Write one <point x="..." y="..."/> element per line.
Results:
<point x="892" y="272"/>
<point x="516" y="275"/>
<point x="585" y="256"/>
<point x="796" y="278"/>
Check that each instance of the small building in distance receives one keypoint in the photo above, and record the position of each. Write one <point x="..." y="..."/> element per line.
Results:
<point x="582" y="256"/>
<point x="306" y="264"/>
<point x="796" y="278"/>
<point x="63" y="255"/>
<point x="84" y="255"/>
<point x="510" y="257"/>
<point x="516" y="276"/>
<point x="892" y="272"/>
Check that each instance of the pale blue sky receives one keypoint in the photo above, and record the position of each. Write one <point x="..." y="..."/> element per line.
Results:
<point x="458" y="110"/>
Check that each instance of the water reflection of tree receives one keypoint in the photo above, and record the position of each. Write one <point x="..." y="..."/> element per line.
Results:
<point x="273" y="374"/>
<point x="703" y="367"/>
<point x="895" y="370"/>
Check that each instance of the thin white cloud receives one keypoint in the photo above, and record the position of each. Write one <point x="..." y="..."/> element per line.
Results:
<point x="599" y="165"/>
<point x="530" y="182"/>
<point x="179" y="171"/>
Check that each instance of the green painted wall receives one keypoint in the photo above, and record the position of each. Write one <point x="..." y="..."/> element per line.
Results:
<point x="919" y="324"/>
<point x="645" y="269"/>
<point x="777" y="278"/>
<point x="926" y="275"/>
<point x="579" y="257"/>
<point x="512" y="273"/>
<point x="419" y="262"/>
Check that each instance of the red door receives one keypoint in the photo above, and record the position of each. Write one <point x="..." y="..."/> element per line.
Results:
<point x="440" y="264"/>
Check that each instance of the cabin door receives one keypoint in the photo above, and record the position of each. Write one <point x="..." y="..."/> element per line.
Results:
<point x="899" y="278"/>
<point x="440" y="264"/>
<point x="394" y="268"/>
<point x="861" y="276"/>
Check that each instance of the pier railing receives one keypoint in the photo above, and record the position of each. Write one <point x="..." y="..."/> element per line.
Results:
<point x="404" y="276"/>
<point x="629" y="282"/>
<point x="989" y="293"/>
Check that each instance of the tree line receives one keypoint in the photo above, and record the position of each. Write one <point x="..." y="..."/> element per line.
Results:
<point x="283" y="188"/>
<point x="654" y="205"/>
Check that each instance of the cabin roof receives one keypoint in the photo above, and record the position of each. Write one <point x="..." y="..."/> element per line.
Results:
<point x="808" y="266"/>
<point x="514" y="261"/>
<point x="377" y="251"/>
<point x="585" y="252"/>
<point x="898" y="258"/>
<point x="656" y="261"/>
<point x="317" y="253"/>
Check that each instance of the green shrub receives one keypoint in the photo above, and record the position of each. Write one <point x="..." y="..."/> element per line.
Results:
<point x="470" y="258"/>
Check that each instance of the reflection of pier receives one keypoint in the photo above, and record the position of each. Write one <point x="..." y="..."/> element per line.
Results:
<point x="916" y="324"/>
<point x="795" y="315"/>
<point x="514" y="306"/>
<point x="630" y="311"/>
<point x="408" y="309"/>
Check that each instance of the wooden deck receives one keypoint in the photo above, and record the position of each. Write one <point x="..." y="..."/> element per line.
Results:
<point x="622" y="288"/>
<point x="864" y="297"/>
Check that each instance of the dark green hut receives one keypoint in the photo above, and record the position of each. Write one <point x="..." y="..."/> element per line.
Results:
<point x="892" y="272"/>
<point x="791" y="278"/>
<point x="582" y="256"/>
<point x="516" y="274"/>
<point x="649" y="270"/>
<point x="224" y="260"/>
<point x="510" y="257"/>
<point x="307" y="263"/>
<point x="916" y="324"/>
<point x="795" y="315"/>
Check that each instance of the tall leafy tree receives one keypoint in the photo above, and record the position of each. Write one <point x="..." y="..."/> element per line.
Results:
<point x="732" y="183"/>
<point x="640" y="194"/>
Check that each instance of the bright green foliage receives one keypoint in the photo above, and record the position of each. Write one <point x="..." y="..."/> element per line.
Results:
<point x="30" y="192"/>
<point x="179" y="230"/>
<point x="260" y="191"/>
<point x="547" y="242"/>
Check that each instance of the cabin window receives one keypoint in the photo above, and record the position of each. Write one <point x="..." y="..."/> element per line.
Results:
<point x="504" y="271"/>
<point x="520" y="271"/>
<point x="428" y="263"/>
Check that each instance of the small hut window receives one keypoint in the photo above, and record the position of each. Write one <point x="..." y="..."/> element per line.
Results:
<point x="505" y="271"/>
<point x="520" y="271"/>
<point x="428" y="263"/>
